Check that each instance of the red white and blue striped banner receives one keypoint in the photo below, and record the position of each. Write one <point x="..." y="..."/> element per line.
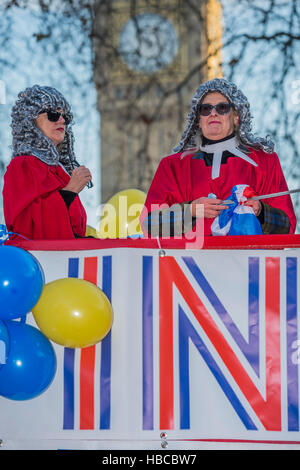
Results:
<point x="204" y="346"/>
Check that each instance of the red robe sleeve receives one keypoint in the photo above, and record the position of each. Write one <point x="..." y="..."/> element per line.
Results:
<point x="166" y="189"/>
<point x="168" y="185"/>
<point x="271" y="180"/>
<point x="33" y="206"/>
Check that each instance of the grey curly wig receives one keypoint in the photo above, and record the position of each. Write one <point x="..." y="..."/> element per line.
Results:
<point x="242" y="107"/>
<point x="28" y="139"/>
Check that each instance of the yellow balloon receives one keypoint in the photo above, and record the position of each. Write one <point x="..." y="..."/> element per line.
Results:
<point x="120" y="216"/>
<point x="73" y="312"/>
<point x="91" y="231"/>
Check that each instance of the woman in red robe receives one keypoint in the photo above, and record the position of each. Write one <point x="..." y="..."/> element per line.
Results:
<point x="217" y="151"/>
<point x="43" y="180"/>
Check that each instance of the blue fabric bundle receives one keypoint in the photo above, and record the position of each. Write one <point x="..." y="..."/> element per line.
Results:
<point x="238" y="219"/>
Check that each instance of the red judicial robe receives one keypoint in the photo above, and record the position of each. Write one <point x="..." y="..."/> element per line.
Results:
<point x="181" y="179"/>
<point x="32" y="204"/>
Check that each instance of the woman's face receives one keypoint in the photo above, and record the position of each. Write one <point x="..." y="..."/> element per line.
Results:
<point x="217" y="126"/>
<point x="54" y="130"/>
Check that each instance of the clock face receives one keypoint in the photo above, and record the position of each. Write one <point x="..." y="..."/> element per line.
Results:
<point x="148" y="43"/>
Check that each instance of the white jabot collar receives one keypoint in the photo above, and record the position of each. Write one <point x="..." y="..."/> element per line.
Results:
<point x="217" y="149"/>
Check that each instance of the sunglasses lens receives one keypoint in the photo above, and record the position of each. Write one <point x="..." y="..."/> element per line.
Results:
<point x="205" y="109"/>
<point x="223" y="108"/>
<point x="53" y="116"/>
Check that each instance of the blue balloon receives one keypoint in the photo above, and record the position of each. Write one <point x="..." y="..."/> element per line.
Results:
<point x="21" y="282"/>
<point x="31" y="363"/>
<point x="4" y="343"/>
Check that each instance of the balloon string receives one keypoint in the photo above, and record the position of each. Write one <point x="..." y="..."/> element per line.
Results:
<point x="161" y="251"/>
<point x="158" y="242"/>
<point x="5" y="235"/>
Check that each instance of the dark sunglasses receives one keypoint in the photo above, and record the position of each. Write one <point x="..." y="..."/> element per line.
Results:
<point x="221" y="108"/>
<point x="54" y="116"/>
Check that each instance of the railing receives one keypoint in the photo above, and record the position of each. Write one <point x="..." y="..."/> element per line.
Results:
<point x="267" y="242"/>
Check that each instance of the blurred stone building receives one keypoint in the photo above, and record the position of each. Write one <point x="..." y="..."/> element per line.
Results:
<point x="149" y="59"/>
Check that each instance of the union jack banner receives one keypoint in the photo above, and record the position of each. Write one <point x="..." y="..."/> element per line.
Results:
<point x="203" y="349"/>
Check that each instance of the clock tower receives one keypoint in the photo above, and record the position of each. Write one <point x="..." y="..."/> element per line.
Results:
<point x="150" y="56"/>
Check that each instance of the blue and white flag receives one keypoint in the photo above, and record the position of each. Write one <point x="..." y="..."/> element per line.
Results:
<point x="238" y="219"/>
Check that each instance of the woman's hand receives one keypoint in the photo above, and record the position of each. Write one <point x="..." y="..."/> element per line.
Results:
<point x="212" y="207"/>
<point x="256" y="206"/>
<point x="79" y="179"/>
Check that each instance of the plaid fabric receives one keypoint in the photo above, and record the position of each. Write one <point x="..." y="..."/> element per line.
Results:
<point x="173" y="221"/>
<point x="273" y="221"/>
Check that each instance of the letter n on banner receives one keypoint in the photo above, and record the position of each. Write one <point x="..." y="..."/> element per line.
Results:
<point x="267" y="410"/>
